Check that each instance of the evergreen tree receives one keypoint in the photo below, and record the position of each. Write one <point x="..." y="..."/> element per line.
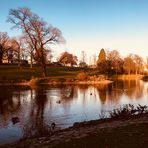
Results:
<point x="102" y="56"/>
<point x="102" y="62"/>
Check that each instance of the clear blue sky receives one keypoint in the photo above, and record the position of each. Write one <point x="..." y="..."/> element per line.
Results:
<point x="90" y="24"/>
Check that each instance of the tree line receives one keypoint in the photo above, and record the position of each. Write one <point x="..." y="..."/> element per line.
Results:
<point x="36" y="38"/>
<point x="111" y="62"/>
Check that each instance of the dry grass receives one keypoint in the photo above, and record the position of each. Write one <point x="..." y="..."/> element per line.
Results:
<point x="127" y="111"/>
<point x="82" y="76"/>
<point x="127" y="77"/>
<point x="12" y="73"/>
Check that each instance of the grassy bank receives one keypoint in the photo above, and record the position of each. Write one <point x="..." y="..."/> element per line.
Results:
<point x="13" y="73"/>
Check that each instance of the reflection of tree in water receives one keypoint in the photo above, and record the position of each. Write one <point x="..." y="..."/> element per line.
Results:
<point x="133" y="89"/>
<point x="139" y="90"/>
<point x="83" y="91"/>
<point x="36" y="125"/>
<point x="115" y="91"/>
<point x="9" y="103"/>
<point x="130" y="88"/>
<point x="102" y="89"/>
<point x="40" y="100"/>
<point x="5" y="100"/>
<point x="68" y="93"/>
<point x="83" y="88"/>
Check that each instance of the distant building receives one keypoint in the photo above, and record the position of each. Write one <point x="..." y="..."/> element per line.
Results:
<point x="55" y="64"/>
<point x="14" y="61"/>
<point x="5" y="60"/>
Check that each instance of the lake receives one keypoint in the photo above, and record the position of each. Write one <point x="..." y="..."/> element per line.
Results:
<point x="26" y="111"/>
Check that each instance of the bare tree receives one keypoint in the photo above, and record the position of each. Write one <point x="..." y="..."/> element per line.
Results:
<point x="4" y="38"/>
<point x="38" y="32"/>
<point x="82" y="63"/>
<point x="30" y="49"/>
<point x="129" y="64"/>
<point x="94" y="59"/>
<point x="83" y="58"/>
<point x="138" y="64"/>
<point x="115" y="61"/>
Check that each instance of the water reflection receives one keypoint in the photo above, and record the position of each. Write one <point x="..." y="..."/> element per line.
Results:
<point x="36" y="108"/>
<point x="35" y="119"/>
<point x="10" y="103"/>
<point x="68" y="93"/>
<point x="132" y="89"/>
<point x="102" y="90"/>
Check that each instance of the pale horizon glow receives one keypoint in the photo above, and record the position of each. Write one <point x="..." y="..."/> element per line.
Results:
<point x="89" y="25"/>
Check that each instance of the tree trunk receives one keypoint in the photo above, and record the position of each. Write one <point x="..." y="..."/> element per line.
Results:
<point x="1" y="58"/>
<point x="43" y="63"/>
<point x="1" y="62"/>
<point x="136" y="71"/>
<point x="44" y="70"/>
<point x="129" y="72"/>
<point x="31" y="60"/>
<point x="19" y="60"/>
<point x="116" y="72"/>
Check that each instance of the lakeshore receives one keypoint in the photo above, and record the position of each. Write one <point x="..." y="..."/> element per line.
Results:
<point x="73" y="74"/>
<point x="84" y="134"/>
<point x="12" y="75"/>
<point x="97" y="133"/>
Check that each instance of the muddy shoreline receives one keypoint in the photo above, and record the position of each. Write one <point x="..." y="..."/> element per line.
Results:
<point x="87" y="134"/>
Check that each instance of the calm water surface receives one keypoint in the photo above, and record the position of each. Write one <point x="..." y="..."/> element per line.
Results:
<point x="36" y="108"/>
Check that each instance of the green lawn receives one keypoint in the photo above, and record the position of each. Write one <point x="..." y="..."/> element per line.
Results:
<point x="14" y="73"/>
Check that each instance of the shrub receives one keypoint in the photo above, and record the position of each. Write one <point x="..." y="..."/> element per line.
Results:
<point x="127" y="111"/>
<point x="82" y="76"/>
<point x="145" y="78"/>
<point x="69" y="80"/>
<point x="38" y="81"/>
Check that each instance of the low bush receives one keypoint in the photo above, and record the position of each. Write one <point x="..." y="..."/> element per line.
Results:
<point x="82" y="76"/>
<point x="145" y="78"/>
<point x="38" y="81"/>
<point x="128" y="111"/>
